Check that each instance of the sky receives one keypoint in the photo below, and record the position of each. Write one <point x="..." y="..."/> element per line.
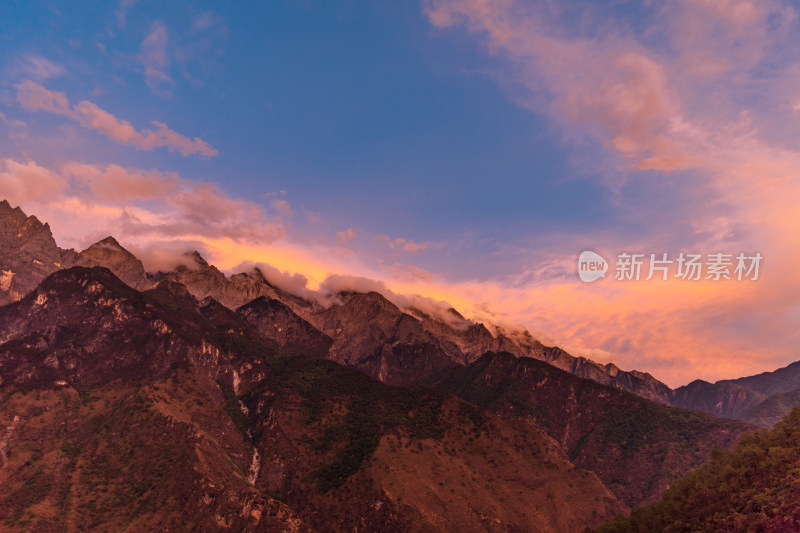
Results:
<point x="463" y="150"/>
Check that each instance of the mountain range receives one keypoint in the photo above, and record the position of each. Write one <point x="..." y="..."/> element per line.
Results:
<point x="190" y="399"/>
<point x="762" y="399"/>
<point x="28" y="253"/>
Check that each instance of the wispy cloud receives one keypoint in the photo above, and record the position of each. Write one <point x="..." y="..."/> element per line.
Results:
<point x="282" y="207"/>
<point x="404" y="245"/>
<point x="33" y="96"/>
<point x="38" y="68"/>
<point x="205" y="21"/>
<point x="155" y="59"/>
<point x="122" y="11"/>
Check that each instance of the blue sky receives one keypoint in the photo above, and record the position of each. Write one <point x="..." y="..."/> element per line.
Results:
<point x="360" y="112"/>
<point x="465" y="150"/>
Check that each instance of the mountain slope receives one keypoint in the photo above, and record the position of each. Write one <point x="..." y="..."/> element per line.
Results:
<point x="753" y="487"/>
<point x="121" y="408"/>
<point x="276" y="321"/>
<point x="769" y="411"/>
<point x="636" y="447"/>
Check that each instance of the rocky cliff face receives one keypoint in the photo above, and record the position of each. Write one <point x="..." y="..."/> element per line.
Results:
<point x="372" y="334"/>
<point x="465" y="342"/>
<point x="276" y="321"/>
<point x="28" y="253"/>
<point x="204" y="280"/>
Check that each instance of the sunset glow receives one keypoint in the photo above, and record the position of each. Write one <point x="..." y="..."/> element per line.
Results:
<point x="464" y="151"/>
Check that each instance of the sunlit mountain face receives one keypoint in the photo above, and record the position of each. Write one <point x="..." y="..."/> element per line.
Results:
<point x="447" y="265"/>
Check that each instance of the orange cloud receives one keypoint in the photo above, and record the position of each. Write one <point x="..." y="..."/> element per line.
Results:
<point x="676" y="330"/>
<point x="33" y="96"/>
<point x="674" y="105"/>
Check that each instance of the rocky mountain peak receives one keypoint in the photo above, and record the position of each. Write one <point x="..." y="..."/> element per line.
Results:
<point x="110" y="253"/>
<point x="15" y="225"/>
<point x="109" y="243"/>
<point x="479" y="332"/>
<point x="612" y="369"/>
<point x="369" y="304"/>
<point x="198" y="259"/>
<point x="174" y="290"/>
<point x="254" y="278"/>
<point x="258" y="275"/>
<point x="6" y="209"/>
<point x="96" y="291"/>
<point x="456" y="313"/>
<point x="28" y="253"/>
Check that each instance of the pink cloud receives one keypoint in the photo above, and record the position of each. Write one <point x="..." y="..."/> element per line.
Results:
<point x="410" y="246"/>
<point x="27" y="182"/>
<point x="610" y="87"/>
<point x="715" y="38"/>
<point x="33" y="96"/>
<point x="312" y="217"/>
<point x="343" y="237"/>
<point x="141" y="205"/>
<point x="113" y="183"/>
